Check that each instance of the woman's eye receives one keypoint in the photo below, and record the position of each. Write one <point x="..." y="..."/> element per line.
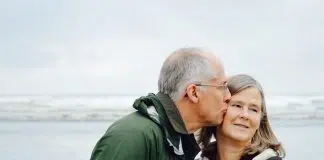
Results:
<point x="236" y="105"/>
<point x="253" y="109"/>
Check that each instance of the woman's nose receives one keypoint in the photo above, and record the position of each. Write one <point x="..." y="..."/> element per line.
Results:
<point x="244" y="113"/>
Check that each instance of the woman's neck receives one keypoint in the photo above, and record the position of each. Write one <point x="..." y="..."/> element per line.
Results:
<point x="229" y="149"/>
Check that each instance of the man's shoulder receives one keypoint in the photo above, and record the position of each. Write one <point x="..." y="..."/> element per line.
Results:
<point x="133" y="135"/>
<point x="134" y="123"/>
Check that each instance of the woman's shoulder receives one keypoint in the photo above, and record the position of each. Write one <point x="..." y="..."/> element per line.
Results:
<point x="275" y="158"/>
<point x="209" y="153"/>
<point x="268" y="154"/>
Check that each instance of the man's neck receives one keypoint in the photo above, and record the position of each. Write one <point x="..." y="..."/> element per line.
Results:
<point x="229" y="149"/>
<point x="189" y="117"/>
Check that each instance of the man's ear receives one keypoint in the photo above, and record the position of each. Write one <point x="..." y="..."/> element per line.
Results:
<point x="192" y="93"/>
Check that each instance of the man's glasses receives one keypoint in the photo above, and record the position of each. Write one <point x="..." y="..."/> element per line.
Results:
<point x="223" y="87"/>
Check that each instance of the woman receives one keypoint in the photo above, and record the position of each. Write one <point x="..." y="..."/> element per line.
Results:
<point x="245" y="133"/>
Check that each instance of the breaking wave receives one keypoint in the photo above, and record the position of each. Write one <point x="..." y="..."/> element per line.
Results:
<point x="110" y="108"/>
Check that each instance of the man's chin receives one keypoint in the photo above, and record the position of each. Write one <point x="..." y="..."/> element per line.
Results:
<point x="215" y="122"/>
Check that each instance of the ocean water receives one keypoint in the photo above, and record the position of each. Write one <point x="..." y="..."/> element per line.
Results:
<point x="64" y="108"/>
<point x="75" y="140"/>
<point x="67" y="127"/>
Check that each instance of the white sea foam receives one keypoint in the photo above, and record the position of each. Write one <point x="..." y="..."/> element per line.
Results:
<point x="109" y="108"/>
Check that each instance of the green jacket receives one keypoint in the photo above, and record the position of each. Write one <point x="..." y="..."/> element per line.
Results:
<point x="155" y="131"/>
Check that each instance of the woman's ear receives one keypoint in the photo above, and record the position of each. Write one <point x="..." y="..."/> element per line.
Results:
<point x="192" y="93"/>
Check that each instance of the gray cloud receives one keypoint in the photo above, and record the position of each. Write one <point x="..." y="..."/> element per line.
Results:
<point x="111" y="47"/>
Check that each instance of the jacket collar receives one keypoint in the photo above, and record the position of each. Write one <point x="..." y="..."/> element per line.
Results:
<point x="161" y="109"/>
<point x="172" y="113"/>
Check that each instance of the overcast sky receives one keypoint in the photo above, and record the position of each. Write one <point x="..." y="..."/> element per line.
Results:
<point x="117" y="47"/>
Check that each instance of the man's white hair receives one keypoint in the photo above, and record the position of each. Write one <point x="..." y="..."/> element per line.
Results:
<point x="182" y="67"/>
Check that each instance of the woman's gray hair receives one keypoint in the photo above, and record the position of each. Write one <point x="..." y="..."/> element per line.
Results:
<point x="182" y="67"/>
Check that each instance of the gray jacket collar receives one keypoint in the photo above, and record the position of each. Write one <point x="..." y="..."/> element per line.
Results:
<point x="172" y="113"/>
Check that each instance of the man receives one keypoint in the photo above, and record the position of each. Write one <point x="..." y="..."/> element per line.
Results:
<point x="192" y="93"/>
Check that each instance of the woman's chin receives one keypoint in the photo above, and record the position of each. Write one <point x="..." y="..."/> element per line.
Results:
<point x="240" y="137"/>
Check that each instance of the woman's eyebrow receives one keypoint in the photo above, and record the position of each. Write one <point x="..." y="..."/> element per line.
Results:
<point x="255" y="105"/>
<point x="237" y="101"/>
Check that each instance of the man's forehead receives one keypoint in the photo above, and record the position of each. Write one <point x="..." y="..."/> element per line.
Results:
<point x="219" y="73"/>
<point x="220" y="79"/>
